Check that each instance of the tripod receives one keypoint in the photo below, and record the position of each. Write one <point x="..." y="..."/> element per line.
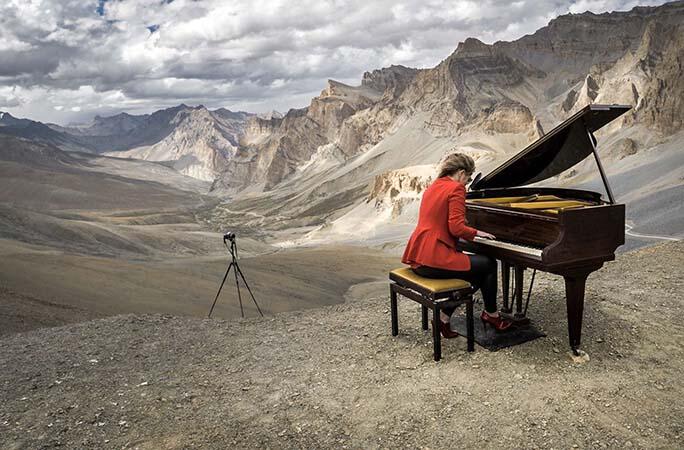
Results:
<point x="234" y="263"/>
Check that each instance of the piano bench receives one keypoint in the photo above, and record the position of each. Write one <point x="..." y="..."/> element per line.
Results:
<point x="433" y="294"/>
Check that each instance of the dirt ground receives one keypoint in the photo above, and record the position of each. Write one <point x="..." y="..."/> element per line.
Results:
<point x="19" y="313"/>
<point x="334" y="377"/>
<point x="293" y="279"/>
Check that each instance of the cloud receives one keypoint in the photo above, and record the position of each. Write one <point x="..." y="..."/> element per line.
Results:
<point x="96" y="57"/>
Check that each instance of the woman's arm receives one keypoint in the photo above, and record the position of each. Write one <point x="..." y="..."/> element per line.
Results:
<point x="457" y="211"/>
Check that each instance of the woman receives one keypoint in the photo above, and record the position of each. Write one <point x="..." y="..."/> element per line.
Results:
<point x="431" y="251"/>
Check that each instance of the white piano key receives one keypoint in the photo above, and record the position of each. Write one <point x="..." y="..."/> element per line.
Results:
<point x="525" y="250"/>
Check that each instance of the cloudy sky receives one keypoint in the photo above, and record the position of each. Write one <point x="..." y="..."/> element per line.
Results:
<point x="67" y="60"/>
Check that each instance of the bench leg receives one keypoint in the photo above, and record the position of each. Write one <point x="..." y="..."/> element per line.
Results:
<point x="393" y="308"/>
<point x="469" y="325"/>
<point x="436" y="337"/>
<point x="424" y="313"/>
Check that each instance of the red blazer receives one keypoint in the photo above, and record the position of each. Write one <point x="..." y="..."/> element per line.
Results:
<point x="441" y="221"/>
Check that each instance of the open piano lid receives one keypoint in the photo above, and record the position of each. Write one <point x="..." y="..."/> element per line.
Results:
<point x="556" y="151"/>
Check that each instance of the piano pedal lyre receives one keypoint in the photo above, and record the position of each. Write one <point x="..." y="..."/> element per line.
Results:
<point x="519" y="317"/>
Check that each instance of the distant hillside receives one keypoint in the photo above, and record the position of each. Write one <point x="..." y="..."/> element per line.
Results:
<point x="39" y="132"/>
<point x="193" y="140"/>
<point x="196" y="141"/>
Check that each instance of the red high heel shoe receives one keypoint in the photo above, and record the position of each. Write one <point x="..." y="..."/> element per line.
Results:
<point x="445" y="329"/>
<point x="499" y="323"/>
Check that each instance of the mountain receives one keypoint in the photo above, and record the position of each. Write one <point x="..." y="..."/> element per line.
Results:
<point x="104" y="126"/>
<point x="274" y="148"/>
<point x="318" y="167"/>
<point x="39" y="132"/>
<point x="83" y="202"/>
<point x="273" y="114"/>
<point x="193" y="140"/>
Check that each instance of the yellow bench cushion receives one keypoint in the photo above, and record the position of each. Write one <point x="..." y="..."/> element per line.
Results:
<point x="429" y="284"/>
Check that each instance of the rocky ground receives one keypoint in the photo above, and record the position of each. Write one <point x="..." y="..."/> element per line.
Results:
<point x="19" y="312"/>
<point x="334" y="377"/>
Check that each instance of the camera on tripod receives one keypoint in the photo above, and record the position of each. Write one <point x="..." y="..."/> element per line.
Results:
<point x="230" y="236"/>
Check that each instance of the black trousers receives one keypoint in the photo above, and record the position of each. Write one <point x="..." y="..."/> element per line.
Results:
<point x="482" y="274"/>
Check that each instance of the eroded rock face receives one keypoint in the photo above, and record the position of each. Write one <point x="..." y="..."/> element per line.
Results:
<point x="279" y="146"/>
<point x="474" y="87"/>
<point x="631" y="58"/>
<point x="508" y="117"/>
<point x="336" y="103"/>
<point x="647" y="78"/>
<point x="391" y="81"/>
<point x="197" y="142"/>
<point x="272" y="150"/>
<point x="659" y="99"/>
<point x="625" y="147"/>
<point x="258" y="129"/>
<point x="397" y="188"/>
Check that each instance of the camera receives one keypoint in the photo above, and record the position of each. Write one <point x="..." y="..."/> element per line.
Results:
<point x="229" y="236"/>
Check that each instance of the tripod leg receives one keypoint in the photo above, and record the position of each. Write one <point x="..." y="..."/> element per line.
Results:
<point x="237" y="268"/>
<point x="237" y="285"/>
<point x="219" y="290"/>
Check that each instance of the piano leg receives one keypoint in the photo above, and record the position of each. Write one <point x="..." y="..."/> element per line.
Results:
<point x="519" y="280"/>
<point x="574" y="298"/>
<point x="505" y="286"/>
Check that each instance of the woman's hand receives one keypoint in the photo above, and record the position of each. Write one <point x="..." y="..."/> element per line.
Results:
<point x="484" y="234"/>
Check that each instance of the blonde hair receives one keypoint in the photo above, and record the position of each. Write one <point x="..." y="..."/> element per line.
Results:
<point x="454" y="162"/>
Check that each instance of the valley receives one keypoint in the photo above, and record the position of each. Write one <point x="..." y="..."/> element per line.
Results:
<point x="125" y="213"/>
<point x="105" y="236"/>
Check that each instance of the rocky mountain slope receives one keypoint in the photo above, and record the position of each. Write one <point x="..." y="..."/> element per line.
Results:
<point x="38" y="132"/>
<point x="193" y="140"/>
<point x="82" y="203"/>
<point x="334" y="377"/>
<point x="505" y="88"/>
<point x="306" y="169"/>
<point x="197" y="142"/>
<point x="318" y="165"/>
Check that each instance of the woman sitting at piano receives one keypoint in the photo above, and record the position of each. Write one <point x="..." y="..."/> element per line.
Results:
<point x="431" y="251"/>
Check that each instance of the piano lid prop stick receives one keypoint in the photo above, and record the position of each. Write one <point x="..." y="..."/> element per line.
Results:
<point x="592" y="141"/>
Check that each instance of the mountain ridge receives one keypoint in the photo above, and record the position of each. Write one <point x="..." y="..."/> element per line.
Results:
<point x="312" y="165"/>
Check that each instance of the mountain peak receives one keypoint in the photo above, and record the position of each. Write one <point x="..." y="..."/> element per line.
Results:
<point x="332" y="85"/>
<point x="472" y="47"/>
<point x="395" y="77"/>
<point x="272" y="114"/>
<point x="8" y="119"/>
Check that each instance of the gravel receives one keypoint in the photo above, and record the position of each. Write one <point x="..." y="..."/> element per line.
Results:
<point x="334" y="377"/>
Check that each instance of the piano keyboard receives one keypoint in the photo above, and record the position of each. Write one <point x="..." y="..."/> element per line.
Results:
<point x="524" y="249"/>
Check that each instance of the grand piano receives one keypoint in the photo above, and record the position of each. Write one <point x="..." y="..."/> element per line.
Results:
<point x="568" y="232"/>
